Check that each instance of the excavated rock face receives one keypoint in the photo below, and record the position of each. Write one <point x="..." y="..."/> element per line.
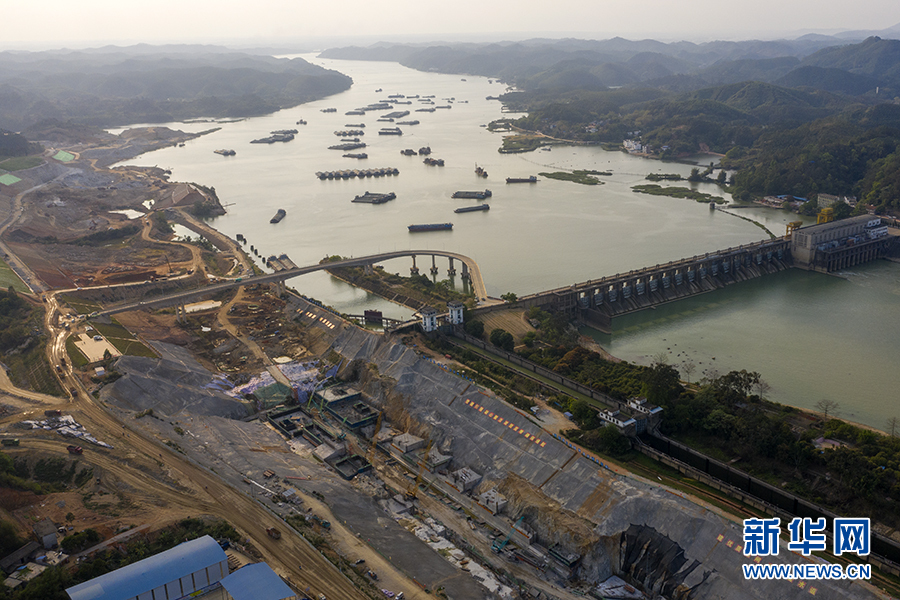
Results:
<point x="656" y="562"/>
<point x="621" y="525"/>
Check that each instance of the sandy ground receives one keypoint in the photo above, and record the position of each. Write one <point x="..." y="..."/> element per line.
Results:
<point x="512" y="320"/>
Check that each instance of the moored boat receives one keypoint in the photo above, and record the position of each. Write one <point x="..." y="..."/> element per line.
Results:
<point x="278" y="216"/>
<point x="475" y="195"/>
<point x="531" y="179"/>
<point x="466" y="209"/>
<point x="430" y="227"/>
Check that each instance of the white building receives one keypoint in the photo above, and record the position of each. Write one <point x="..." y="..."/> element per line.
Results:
<point x="456" y="312"/>
<point x="429" y="319"/>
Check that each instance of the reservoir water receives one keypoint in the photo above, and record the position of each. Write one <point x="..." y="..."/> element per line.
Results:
<point x="811" y="336"/>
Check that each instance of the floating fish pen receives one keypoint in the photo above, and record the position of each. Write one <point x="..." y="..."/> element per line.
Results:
<point x="275" y="137"/>
<point x="434" y="162"/>
<point x="360" y="173"/>
<point x="348" y="146"/>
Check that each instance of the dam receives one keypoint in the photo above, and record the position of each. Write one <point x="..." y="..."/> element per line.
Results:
<point x="825" y="248"/>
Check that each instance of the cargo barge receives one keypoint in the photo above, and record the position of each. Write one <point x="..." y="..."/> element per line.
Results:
<point x="531" y="179"/>
<point x="223" y="152"/>
<point x="356" y="155"/>
<point x="475" y="195"/>
<point x="430" y="227"/>
<point x="413" y="122"/>
<point x="466" y="209"/>
<point x="278" y="216"/>
<point x="349" y="133"/>
<point x="390" y="131"/>
<point x="369" y="198"/>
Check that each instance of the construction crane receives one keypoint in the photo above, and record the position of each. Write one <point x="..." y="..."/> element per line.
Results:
<point x="411" y="492"/>
<point x="499" y="545"/>
<point x="792" y="227"/>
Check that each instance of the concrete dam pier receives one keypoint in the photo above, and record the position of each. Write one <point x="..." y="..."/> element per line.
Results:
<point x="598" y="301"/>
<point x="826" y="247"/>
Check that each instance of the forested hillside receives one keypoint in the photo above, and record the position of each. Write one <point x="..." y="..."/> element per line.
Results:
<point x="799" y="117"/>
<point x="119" y="86"/>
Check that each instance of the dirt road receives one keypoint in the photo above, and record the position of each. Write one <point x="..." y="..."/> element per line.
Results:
<point x="169" y="478"/>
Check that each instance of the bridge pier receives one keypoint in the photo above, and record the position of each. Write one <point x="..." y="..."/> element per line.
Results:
<point x="367" y="269"/>
<point x="451" y="271"/>
<point x="434" y="269"/>
<point x="414" y="270"/>
<point x="465" y="272"/>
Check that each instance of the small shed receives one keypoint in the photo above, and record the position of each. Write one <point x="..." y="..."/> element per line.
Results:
<point x="46" y="533"/>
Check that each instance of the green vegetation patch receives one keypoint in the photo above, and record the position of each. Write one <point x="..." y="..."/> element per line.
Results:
<point x="677" y="192"/>
<point x="8" y="278"/>
<point x="7" y="179"/>
<point x="82" y="306"/>
<point x="77" y="357"/>
<point x="21" y="162"/>
<point x="64" y="156"/>
<point x="514" y="144"/>
<point x="123" y="340"/>
<point x="664" y="177"/>
<point x="113" y="330"/>
<point x="579" y="176"/>
<point x="22" y="343"/>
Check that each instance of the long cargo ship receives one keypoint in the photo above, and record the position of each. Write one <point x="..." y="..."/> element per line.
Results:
<point x="278" y="216"/>
<point x="476" y="195"/>
<point x="430" y="227"/>
<point x="465" y="209"/>
<point x="531" y="179"/>
<point x="369" y="198"/>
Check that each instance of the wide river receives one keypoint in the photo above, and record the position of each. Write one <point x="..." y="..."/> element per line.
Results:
<point x="811" y="336"/>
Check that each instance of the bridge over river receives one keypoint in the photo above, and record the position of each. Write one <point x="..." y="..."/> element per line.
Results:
<point x="470" y="272"/>
<point x="826" y="247"/>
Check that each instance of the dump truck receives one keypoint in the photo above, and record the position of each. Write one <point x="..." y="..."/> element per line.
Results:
<point x="273" y="533"/>
<point x="10" y="442"/>
<point x="74" y="449"/>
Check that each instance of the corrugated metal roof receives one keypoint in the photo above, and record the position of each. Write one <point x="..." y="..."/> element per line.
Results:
<point x="150" y="573"/>
<point x="256" y="582"/>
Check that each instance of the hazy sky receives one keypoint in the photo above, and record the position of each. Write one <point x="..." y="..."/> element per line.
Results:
<point x="83" y="23"/>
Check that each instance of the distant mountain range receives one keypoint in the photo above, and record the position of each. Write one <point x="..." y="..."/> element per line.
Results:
<point x="821" y="62"/>
<point x="113" y="86"/>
